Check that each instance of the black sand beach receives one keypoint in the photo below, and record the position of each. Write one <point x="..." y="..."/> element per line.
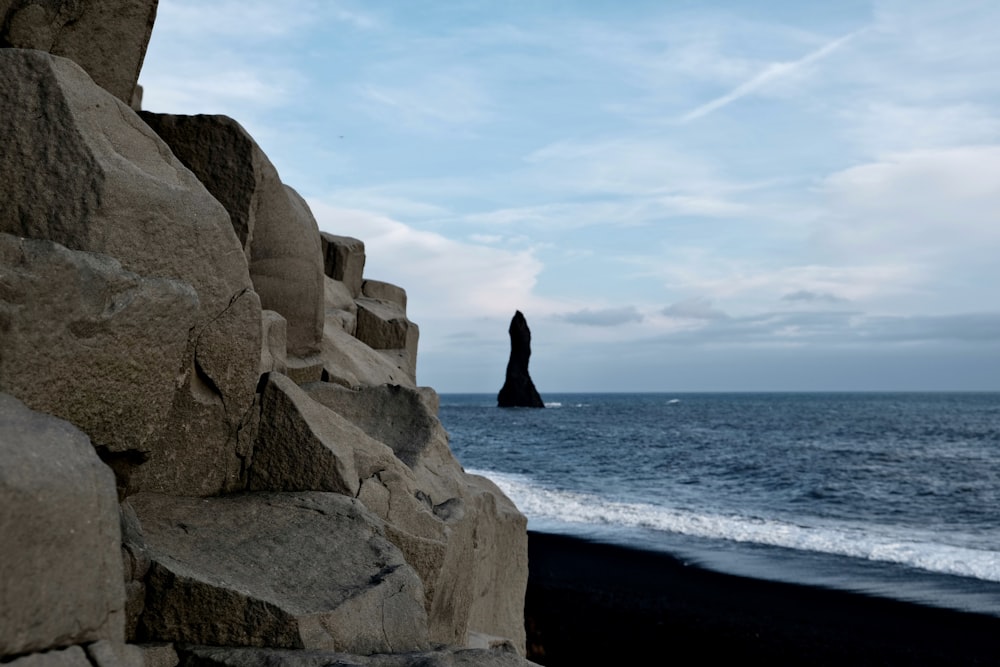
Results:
<point x="590" y="603"/>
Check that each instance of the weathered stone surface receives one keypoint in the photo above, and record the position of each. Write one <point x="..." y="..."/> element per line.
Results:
<point x="274" y="336"/>
<point x="351" y="363"/>
<point x="278" y="232"/>
<point x="223" y="157"/>
<point x="69" y="657"/>
<point x="340" y="309"/>
<point x="376" y="289"/>
<point x="290" y="255"/>
<point x="85" y="339"/>
<point x="111" y="654"/>
<point x="81" y="169"/>
<point x="404" y="361"/>
<point x="60" y="561"/>
<point x="304" y="446"/>
<point x="344" y="260"/>
<point x="518" y="390"/>
<point x="107" y="38"/>
<point x="136" y="563"/>
<point x="383" y="326"/>
<point x="305" y="369"/>
<point x="286" y="570"/>
<point x="392" y="414"/>
<point x="211" y="656"/>
<point x="159" y="655"/>
<point x="499" y="543"/>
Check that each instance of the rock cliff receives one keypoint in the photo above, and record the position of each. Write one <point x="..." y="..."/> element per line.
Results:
<point x="518" y="390"/>
<point x="213" y="446"/>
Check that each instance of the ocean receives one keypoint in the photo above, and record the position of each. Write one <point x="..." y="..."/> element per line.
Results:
<point x="891" y="494"/>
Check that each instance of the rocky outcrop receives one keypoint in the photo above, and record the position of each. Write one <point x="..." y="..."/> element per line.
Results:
<point x="83" y="171"/>
<point x="210" y="427"/>
<point x="278" y="233"/>
<point x="518" y="390"/>
<point x="107" y="38"/>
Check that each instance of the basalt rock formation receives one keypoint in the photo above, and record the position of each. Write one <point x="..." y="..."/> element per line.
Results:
<point x="213" y="447"/>
<point x="518" y="390"/>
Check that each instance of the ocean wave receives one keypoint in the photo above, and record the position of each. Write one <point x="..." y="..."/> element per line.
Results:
<point x="873" y="543"/>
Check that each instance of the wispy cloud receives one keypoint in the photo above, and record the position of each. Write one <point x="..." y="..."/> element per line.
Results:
<point x="607" y="317"/>
<point x="841" y="328"/>
<point x="768" y="75"/>
<point x="698" y="308"/>
<point x="442" y="100"/>
<point x="808" y="296"/>
<point x="255" y="18"/>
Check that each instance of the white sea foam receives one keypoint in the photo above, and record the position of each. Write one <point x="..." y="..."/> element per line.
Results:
<point x="883" y="544"/>
<point x="553" y="404"/>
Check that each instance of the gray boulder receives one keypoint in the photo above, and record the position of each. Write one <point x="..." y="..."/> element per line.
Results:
<point x="278" y="232"/>
<point x="349" y="362"/>
<point x="107" y="38"/>
<point x="382" y="325"/>
<point x="304" y="446"/>
<point x="60" y="553"/>
<point x="344" y="260"/>
<point x="81" y="169"/>
<point x="110" y="654"/>
<point x="383" y="291"/>
<point x="284" y="570"/>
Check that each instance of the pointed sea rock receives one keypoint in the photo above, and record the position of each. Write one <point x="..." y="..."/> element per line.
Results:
<point x="518" y="390"/>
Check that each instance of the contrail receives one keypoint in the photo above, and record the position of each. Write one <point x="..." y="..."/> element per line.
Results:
<point x="771" y="72"/>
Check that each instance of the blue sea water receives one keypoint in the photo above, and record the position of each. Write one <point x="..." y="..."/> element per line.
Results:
<point x="892" y="494"/>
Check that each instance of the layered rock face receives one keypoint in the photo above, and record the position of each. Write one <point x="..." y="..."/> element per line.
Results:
<point x="518" y="390"/>
<point x="211" y="431"/>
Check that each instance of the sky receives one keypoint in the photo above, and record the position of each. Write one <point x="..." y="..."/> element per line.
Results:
<point x="678" y="195"/>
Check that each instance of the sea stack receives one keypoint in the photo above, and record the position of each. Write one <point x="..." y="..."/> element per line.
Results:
<point x="518" y="390"/>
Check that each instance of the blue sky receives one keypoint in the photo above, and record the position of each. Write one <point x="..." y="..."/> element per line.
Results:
<point x="680" y="196"/>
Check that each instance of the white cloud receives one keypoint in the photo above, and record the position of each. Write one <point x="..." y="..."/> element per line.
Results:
<point x="885" y="127"/>
<point x="928" y="205"/>
<point x="445" y="278"/>
<point x="807" y="296"/>
<point x="189" y="88"/>
<point x="386" y="199"/>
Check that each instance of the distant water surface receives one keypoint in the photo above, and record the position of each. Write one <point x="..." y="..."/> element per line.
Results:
<point x="892" y="494"/>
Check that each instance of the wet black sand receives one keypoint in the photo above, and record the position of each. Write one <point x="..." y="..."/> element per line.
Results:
<point x="589" y="603"/>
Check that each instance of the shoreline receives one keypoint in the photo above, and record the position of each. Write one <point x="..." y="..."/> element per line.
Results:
<point x="592" y="601"/>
